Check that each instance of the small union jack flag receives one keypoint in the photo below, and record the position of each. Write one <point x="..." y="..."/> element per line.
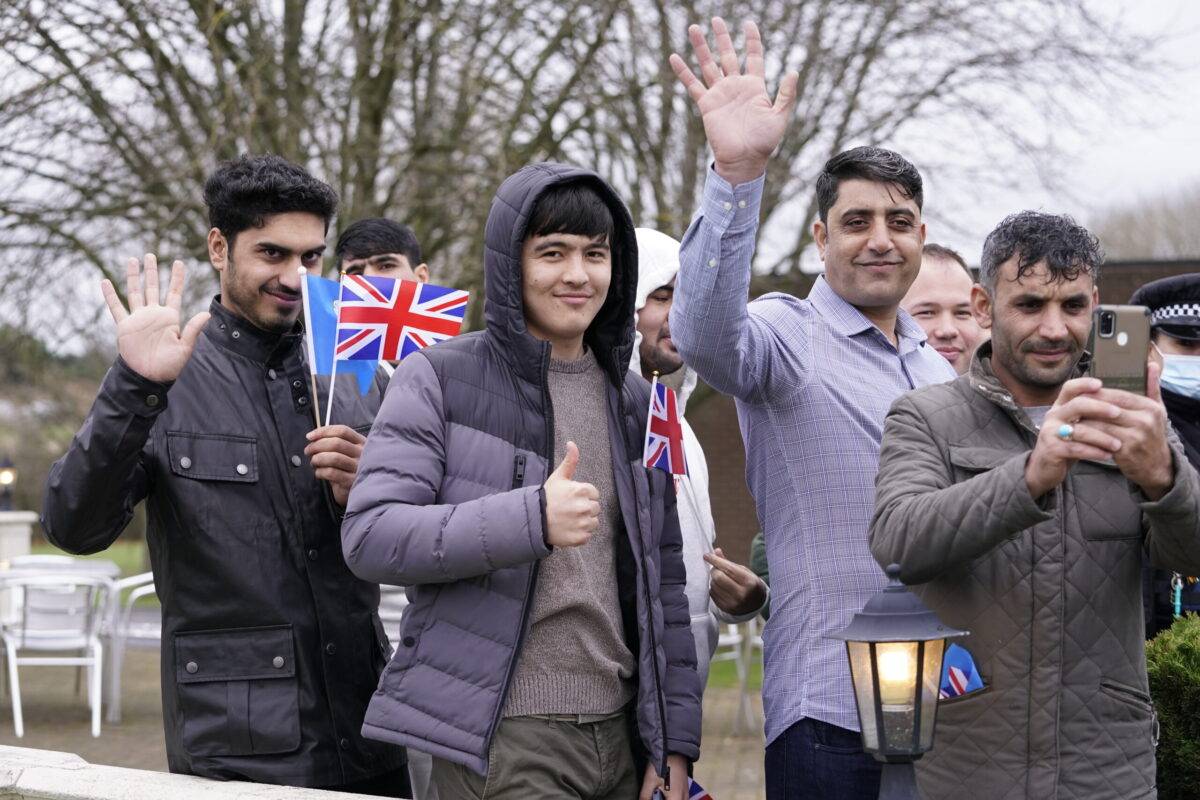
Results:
<point x="959" y="675"/>
<point x="696" y="791"/>
<point x="664" y="432"/>
<point x="388" y="319"/>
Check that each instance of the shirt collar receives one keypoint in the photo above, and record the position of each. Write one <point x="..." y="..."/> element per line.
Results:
<point x="237" y="334"/>
<point x="849" y="321"/>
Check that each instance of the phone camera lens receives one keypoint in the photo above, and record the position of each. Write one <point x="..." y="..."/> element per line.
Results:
<point x="1108" y="323"/>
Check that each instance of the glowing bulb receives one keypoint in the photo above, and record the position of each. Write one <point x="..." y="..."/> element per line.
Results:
<point x="7" y="477"/>
<point x="897" y="673"/>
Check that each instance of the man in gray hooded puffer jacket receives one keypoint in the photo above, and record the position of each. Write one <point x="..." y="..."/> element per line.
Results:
<point x="547" y="644"/>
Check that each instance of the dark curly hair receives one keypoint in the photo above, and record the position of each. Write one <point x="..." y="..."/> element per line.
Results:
<point x="1067" y="247"/>
<point x="868" y="163"/>
<point x="242" y="193"/>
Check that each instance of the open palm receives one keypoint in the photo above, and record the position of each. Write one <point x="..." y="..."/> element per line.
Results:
<point x="148" y="335"/>
<point x="742" y="123"/>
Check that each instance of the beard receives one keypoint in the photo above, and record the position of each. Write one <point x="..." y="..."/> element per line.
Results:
<point x="247" y="299"/>
<point x="1022" y="366"/>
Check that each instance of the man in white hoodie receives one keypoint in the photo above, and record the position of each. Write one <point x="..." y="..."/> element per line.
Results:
<point x="732" y="593"/>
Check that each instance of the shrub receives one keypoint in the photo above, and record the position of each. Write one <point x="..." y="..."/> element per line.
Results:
<point x="1173" y="663"/>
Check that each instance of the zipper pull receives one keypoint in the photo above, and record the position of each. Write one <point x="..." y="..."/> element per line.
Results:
<point x="518" y="471"/>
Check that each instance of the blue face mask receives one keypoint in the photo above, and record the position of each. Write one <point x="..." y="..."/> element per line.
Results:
<point x="1181" y="375"/>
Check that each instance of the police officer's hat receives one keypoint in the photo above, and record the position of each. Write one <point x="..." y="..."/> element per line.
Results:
<point x="1174" y="305"/>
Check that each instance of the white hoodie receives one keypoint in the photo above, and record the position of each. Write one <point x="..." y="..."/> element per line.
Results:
<point x="658" y="263"/>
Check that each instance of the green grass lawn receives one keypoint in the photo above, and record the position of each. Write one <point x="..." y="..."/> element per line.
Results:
<point x="723" y="674"/>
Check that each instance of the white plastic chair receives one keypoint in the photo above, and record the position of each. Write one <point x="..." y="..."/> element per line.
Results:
<point x="731" y="646"/>
<point x="123" y="630"/>
<point x="60" y="612"/>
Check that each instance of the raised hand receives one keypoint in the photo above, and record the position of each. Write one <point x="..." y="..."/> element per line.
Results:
<point x="1144" y="456"/>
<point x="741" y="122"/>
<point x="1079" y="412"/>
<point x="572" y="508"/>
<point x="148" y="335"/>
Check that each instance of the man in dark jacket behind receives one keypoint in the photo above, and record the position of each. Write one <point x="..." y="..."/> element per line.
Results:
<point x="1021" y="498"/>
<point x="547" y="646"/>
<point x="270" y="646"/>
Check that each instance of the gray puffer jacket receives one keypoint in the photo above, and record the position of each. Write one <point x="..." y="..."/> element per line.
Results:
<point x="1049" y="589"/>
<point x="449" y="503"/>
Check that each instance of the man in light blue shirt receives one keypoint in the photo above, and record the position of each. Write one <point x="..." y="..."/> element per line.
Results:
<point x="813" y="380"/>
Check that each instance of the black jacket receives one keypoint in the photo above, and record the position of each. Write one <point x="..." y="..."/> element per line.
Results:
<point x="271" y="648"/>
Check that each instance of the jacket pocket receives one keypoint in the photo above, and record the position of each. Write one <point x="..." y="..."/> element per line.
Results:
<point x="238" y="693"/>
<point x="978" y="459"/>
<point x="213" y="456"/>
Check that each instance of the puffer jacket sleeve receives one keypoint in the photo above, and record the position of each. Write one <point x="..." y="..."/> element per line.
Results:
<point x="927" y="523"/>
<point x="682" y="687"/>
<point x="92" y="490"/>
<point x="1172" y="522"/>
<point x="395" y="532"/>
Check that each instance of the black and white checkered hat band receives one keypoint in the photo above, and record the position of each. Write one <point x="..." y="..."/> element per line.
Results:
<point x="1175" y="311"/>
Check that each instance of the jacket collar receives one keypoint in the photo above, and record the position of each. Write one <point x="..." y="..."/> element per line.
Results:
<point x="849" y="321"/>
<point x="236" y="334"/>
<point x="983" y="380"/>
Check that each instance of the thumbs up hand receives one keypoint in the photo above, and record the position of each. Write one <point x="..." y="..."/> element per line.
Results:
<point x="572" y="508"/>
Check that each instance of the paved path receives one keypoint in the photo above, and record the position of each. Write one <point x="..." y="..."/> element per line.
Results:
<point x="56" y="718"/>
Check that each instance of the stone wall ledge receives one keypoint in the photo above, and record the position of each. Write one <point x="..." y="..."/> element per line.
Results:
<point x="49" y="775"/>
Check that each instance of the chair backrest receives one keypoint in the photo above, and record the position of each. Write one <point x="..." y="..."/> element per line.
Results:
<point x="58" y="606"/>
<point x="45" y="561"/>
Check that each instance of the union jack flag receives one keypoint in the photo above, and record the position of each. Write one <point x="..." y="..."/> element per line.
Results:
<point x="959" y="675"/>
<point x="696" y="791"/>
<point x="664" y="432"/>
<point x="389" y="319"/>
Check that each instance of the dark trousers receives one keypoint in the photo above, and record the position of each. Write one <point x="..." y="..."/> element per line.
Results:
<point x="813" y="760"/>
<point x="389" y="784"/>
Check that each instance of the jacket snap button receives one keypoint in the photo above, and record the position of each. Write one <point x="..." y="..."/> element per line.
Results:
<point x="302" y="401"/>
<point x="296" y="461"/>
<point x="271" y="374"/>
<point x="237" y="334"/>
<point x="344" y="743"/>
<point x="242" y="469"/>
<point x="152" y="400"/>
<point x="296" y="384"/>
<point x="185" y="462"/>
<point x="192" y="667"/>
<point x="409" y="641"/>
<point x="277" y="662"/>
<point x="330" y="648"/>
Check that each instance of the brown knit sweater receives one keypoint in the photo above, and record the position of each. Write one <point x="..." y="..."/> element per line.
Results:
<point x="574" y="659"/>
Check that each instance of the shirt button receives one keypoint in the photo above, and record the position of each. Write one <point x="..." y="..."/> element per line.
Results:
<point x="330" y="649"/>
<point x="277" y="662"/>
<point x="712" y="262"/>
<point x="185" y="463"/>
<point x="408" y="641"/>
<point x="152" y="400"/>
<point x="344" y="743"/>
<point x="728" y="205"/>
<point x="271" y="374"/>
<point x="312" y="554"/>
<point x="741" y="203"/>
<point x="192" y="667"/>
<point x="296" y="461"/>
<point x="242" y="469"/>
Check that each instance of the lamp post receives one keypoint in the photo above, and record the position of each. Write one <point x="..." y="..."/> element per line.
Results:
<point x="8" y="479"/>
<point x="895" y="646"/>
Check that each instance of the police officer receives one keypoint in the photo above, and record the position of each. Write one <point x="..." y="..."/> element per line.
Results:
<point x="1174" y="305"/>
<point x="271" y="648"/>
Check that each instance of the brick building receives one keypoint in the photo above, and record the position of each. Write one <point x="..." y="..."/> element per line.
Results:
<point x="714" y="418"/>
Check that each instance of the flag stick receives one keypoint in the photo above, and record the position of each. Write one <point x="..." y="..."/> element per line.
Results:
<point x="649" y="414"/>
<point x="333" y="371"/>
<point x="312" y="358"/>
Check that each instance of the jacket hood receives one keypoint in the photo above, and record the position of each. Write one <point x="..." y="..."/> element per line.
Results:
<point x="658" y="263"/>
<point x="610" y="336"/>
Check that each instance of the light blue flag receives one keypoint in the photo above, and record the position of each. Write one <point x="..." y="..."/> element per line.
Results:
<point x="320" y="329"/>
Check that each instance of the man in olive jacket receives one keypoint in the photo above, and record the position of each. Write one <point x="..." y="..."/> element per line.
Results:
<point x="270" y="647"/>
<point x="1021" y="498"/>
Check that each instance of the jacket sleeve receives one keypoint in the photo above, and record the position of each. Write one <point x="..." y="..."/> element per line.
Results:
<point x="395" y="532"/>
<point x="682" y="687"/>
<point x="711" y="325"/>
<point x="92" y="490"/>
<point x="1172" y="523"/>
<point x="928" y="524"/>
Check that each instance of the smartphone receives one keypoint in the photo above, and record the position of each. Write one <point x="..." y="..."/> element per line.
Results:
<point x="1120" y="345"/>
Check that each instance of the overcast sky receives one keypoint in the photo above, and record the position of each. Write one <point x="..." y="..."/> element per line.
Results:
<point x="1148" y="149"/>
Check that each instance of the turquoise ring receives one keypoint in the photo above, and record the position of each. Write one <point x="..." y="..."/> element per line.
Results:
<point x="1065" y="432"/>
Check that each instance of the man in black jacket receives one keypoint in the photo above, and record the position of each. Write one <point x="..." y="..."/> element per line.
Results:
<point x="271" y="648"/>
<point x="1174" y="305"/>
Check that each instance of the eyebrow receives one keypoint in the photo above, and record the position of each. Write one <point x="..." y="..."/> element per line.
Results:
<point x="551" y="243"/>
<point x="287" y="250"/>
<point x="894" y="211"/>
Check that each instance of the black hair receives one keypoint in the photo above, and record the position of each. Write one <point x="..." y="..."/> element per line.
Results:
<point x="868" y="163"/>
<point x="574" y="207"/>
<point x="948" y="254"/>
<point x="1067" y="247"/>
<point x="242" y="193"/>
<point x="367" y="238"/>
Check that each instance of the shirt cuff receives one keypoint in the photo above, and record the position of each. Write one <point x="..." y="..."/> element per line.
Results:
<point x="134" y="393"/>
<point x="732" y="207"/>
